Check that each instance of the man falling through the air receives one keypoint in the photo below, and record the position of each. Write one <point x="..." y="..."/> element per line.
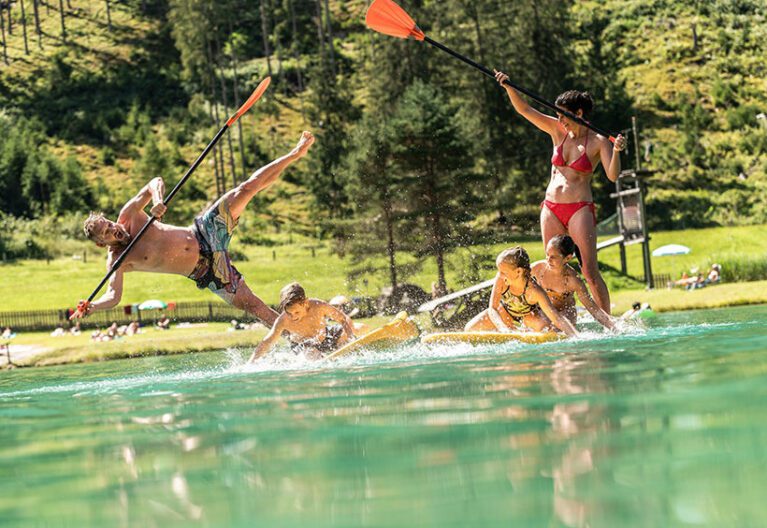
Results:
<point x="199" y="251"/>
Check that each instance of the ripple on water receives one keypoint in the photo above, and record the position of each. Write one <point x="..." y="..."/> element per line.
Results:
<point x="653" y="427"/>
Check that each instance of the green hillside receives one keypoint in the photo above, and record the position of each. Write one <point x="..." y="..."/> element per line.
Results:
<point x="89" y="116"/>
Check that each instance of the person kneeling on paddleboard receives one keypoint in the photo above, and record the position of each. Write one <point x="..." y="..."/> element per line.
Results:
<point x="562" y="282"/>
<point x="307" y="324"/>
<point x="517" y="299"/>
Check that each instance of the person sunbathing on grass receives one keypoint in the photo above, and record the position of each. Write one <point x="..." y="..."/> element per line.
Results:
<point x="562" y="282"/>
<point x="199" y="252"/>
<point x="518" y="300"/>
<point x="307" y="324"/>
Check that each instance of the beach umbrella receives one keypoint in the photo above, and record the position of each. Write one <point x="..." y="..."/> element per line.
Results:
<point x="152" y="304"/>
<point x="671" y="249"/>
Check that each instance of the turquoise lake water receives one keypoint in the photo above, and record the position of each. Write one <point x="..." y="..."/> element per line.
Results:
<point x="663" y="427"/>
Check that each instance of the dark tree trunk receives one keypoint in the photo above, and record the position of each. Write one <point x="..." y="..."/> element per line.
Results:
<point x="2" y="27"/>
<point x="439" y="253"/>
<point x="236" y="82"/>
<point x="330" y="38"/>
<point x="216" y="175"/>
<point x="63" y="26"/>
<point x="218" y="152"/>
<point x="24" y="27"/>
<point x="277" y="45"/>
<point x="390" y="246"/>
<point x="36" y="10"/>
<point x="10" y="19"/>
<point x="320" y="31"/>
<point x="694" y="37"/>
<point x="265" y="35"/>
<point x="109" y="17"/>
<point x="297" y="57"/>
<point x="225" y="100"/>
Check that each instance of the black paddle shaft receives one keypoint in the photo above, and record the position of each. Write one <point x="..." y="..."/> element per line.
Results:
<point x="528" y="93"/>
<point x="167" y="200"/>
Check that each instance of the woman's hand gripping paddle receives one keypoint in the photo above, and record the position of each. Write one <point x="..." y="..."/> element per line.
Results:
<point x="384" y="16"/>
<point x="84" y="307"/>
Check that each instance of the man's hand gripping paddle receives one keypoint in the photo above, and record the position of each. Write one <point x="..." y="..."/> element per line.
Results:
<point x="84" y="307"/>
<point x="384" y="16"/>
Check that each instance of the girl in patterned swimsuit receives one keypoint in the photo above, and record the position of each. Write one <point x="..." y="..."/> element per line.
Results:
<point x="518" y="300"/>
<point x="562" y="282"/>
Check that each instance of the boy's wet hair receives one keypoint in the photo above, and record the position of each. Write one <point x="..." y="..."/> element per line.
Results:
<point x="90" y="224"/>
<point x="292" y="293"/>
<point x="574" y="100"/>
<point x="516" y="256"/>
<point x="566" y="247"/>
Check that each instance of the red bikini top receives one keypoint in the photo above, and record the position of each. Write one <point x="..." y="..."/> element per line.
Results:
<point x="582" y="164"/>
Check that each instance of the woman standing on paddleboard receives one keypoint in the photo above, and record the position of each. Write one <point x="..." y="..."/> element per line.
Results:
<point x="568" y="208"/>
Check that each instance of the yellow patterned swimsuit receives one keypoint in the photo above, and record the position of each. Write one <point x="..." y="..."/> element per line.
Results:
<point x="517" y="306"/>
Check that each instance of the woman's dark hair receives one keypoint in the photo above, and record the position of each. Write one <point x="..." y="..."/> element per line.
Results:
<point x="574" y="100"/>
<point x="292" y="293"/>
<point x="565" y="245"/>
<point x="516" y="256"/>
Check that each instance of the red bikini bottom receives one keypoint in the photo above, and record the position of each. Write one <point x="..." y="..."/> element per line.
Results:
<point x="565" y="211"/>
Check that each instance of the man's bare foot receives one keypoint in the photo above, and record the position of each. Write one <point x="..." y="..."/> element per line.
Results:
<point x="304" y="143"/>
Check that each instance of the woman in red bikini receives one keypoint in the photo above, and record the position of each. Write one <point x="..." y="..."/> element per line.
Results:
<point x="569" y="207"/>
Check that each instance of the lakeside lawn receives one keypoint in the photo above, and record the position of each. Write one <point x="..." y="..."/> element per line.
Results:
<point x="37" y="285"/>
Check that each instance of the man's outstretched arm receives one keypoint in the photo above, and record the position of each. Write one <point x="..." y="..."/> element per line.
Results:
<point x="110" y="299"/>
<point x="153" y="192"/>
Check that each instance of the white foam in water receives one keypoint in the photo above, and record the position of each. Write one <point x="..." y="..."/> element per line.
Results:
<point x="283" y="359"/>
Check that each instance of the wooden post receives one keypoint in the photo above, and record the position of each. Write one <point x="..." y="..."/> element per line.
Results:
<point x="624" y="269"/>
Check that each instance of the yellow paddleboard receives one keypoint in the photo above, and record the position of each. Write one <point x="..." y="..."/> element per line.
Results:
<point x="401" y="329"/>
<point x="489" y="338"/>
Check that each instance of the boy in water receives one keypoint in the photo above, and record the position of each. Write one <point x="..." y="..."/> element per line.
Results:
<point x="305" y="324"/>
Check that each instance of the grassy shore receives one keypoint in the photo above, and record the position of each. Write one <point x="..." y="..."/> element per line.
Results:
<point x="36" y="349"/>
<point x="38" y="285"/>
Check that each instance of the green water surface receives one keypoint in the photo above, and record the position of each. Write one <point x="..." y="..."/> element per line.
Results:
<point x="658" y="428"/>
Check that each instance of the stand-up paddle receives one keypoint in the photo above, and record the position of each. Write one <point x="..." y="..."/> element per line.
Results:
<point x="82" y="307"/>
<point x="384" y="16"/>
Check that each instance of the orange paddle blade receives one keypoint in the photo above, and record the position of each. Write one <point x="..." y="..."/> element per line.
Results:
<point x="255" y="96"/>
<point x="390" y="19"/>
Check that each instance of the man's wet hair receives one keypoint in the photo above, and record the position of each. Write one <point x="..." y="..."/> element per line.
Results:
<point x="566" y="247"/>
<point x="90" y="225"/>
<point x="516" y="256"/>
<point x="290" y="294"/>
<point x="574" y="100"/>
